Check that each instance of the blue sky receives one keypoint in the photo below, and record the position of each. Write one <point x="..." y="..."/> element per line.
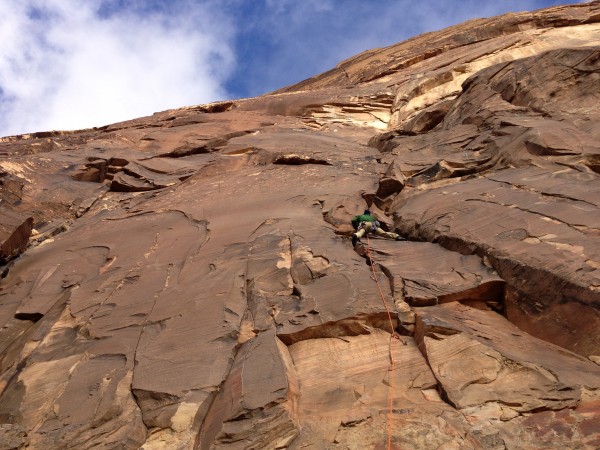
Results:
<point x="69" y="64"/>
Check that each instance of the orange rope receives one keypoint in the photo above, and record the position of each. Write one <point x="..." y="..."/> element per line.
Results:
<point x="392" y="335"/>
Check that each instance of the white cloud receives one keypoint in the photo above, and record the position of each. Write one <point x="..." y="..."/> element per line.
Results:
<point x="62" y="66"/>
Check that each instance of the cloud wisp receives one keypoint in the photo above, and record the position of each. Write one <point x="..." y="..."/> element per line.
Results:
<point x="66" y="64"/>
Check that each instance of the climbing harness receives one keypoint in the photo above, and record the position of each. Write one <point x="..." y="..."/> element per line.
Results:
<point x="372" y="228"/>
<point x="393" y="336"/>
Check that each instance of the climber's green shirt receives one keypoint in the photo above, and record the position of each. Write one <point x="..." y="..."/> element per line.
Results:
<point x="362" y="218"/>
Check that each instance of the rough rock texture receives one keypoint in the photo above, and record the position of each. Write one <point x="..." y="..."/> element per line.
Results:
<point x="187" y="280"/>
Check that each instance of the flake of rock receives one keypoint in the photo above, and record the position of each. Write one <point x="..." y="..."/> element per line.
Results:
<point x="127" y="183"/>
<point x="427" y="119"/>
<point x="15" y="230"/>
<point x="257" y="403"/>
<point x="11" y="189"/>
<point x="12" y="436"/>
<point x="137" y="178"/>
<point x="417" y="154"/>
<point x="521" y="374"/>
<point x="391" y="183"/>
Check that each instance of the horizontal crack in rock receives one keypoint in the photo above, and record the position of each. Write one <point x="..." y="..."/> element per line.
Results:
<point x="296" y="160"/>
<point x="351" y="326"/>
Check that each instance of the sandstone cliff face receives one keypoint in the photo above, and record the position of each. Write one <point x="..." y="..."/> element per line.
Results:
<point x="189" y="281"/>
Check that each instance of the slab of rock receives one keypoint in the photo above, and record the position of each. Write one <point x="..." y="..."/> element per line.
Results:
<point x="346" y="387"/>
<point x="522" y="230"/>
<point x="423" y="274"/>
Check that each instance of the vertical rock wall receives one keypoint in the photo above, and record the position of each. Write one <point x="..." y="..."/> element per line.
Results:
<point x="187" y="280"/>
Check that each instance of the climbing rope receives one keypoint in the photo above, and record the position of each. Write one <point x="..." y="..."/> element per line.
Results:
<point x="393" y="336"/>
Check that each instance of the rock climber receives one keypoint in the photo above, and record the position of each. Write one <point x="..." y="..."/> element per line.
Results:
<point x="366" y="223"/>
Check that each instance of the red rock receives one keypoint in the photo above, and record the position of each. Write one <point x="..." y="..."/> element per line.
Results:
<point x="190" y="282"/>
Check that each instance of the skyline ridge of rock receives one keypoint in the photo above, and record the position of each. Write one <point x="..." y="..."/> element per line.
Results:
<point x="187" y="280"/>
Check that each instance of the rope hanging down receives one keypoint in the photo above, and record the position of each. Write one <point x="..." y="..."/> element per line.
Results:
<point x="393" y="336"/>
